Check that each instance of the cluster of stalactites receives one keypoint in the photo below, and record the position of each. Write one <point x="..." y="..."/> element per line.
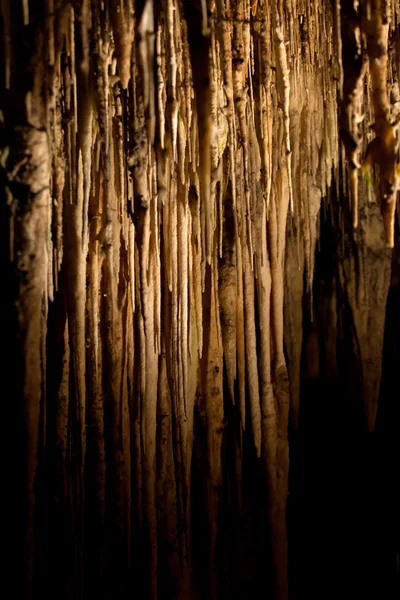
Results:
<point x="176" y="153"/>
<point x="367" y="31"/>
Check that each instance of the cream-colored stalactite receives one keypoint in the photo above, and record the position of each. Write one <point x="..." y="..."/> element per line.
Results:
<point x="284" y="87"/>
<point x="383" y="150"/>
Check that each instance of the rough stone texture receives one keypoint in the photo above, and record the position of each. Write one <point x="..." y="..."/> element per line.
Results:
<point x="166" y="170"/>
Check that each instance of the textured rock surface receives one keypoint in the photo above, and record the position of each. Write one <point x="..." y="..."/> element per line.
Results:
<point x="165" y="169"/>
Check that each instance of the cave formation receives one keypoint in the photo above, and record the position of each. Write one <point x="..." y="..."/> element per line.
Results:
<point x="200" y="299"/>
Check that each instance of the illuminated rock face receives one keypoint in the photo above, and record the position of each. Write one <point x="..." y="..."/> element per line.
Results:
<point x="179" y="266"/>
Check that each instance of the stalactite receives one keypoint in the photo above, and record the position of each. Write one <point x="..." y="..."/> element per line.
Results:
<point x="240" y="336"/>
<point x="95" y="403"/>
<point x="199" y="47"/>
<point x="284" y="84"/>
<point x="213" y="392"/>
<point x="354" y="70"/>
<point x="227" y="292"/>
<point x="166" y="482"/>
<point x="383" y="149"/>
<point x="122" y="19"/>
<point x="28" y="171"/>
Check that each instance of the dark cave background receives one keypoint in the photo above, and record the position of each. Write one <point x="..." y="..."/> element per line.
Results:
<point x="343" y="509"/>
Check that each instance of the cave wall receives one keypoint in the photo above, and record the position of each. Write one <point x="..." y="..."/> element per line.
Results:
<point x="343" y="517"/>
<point x="167" y="173"/>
